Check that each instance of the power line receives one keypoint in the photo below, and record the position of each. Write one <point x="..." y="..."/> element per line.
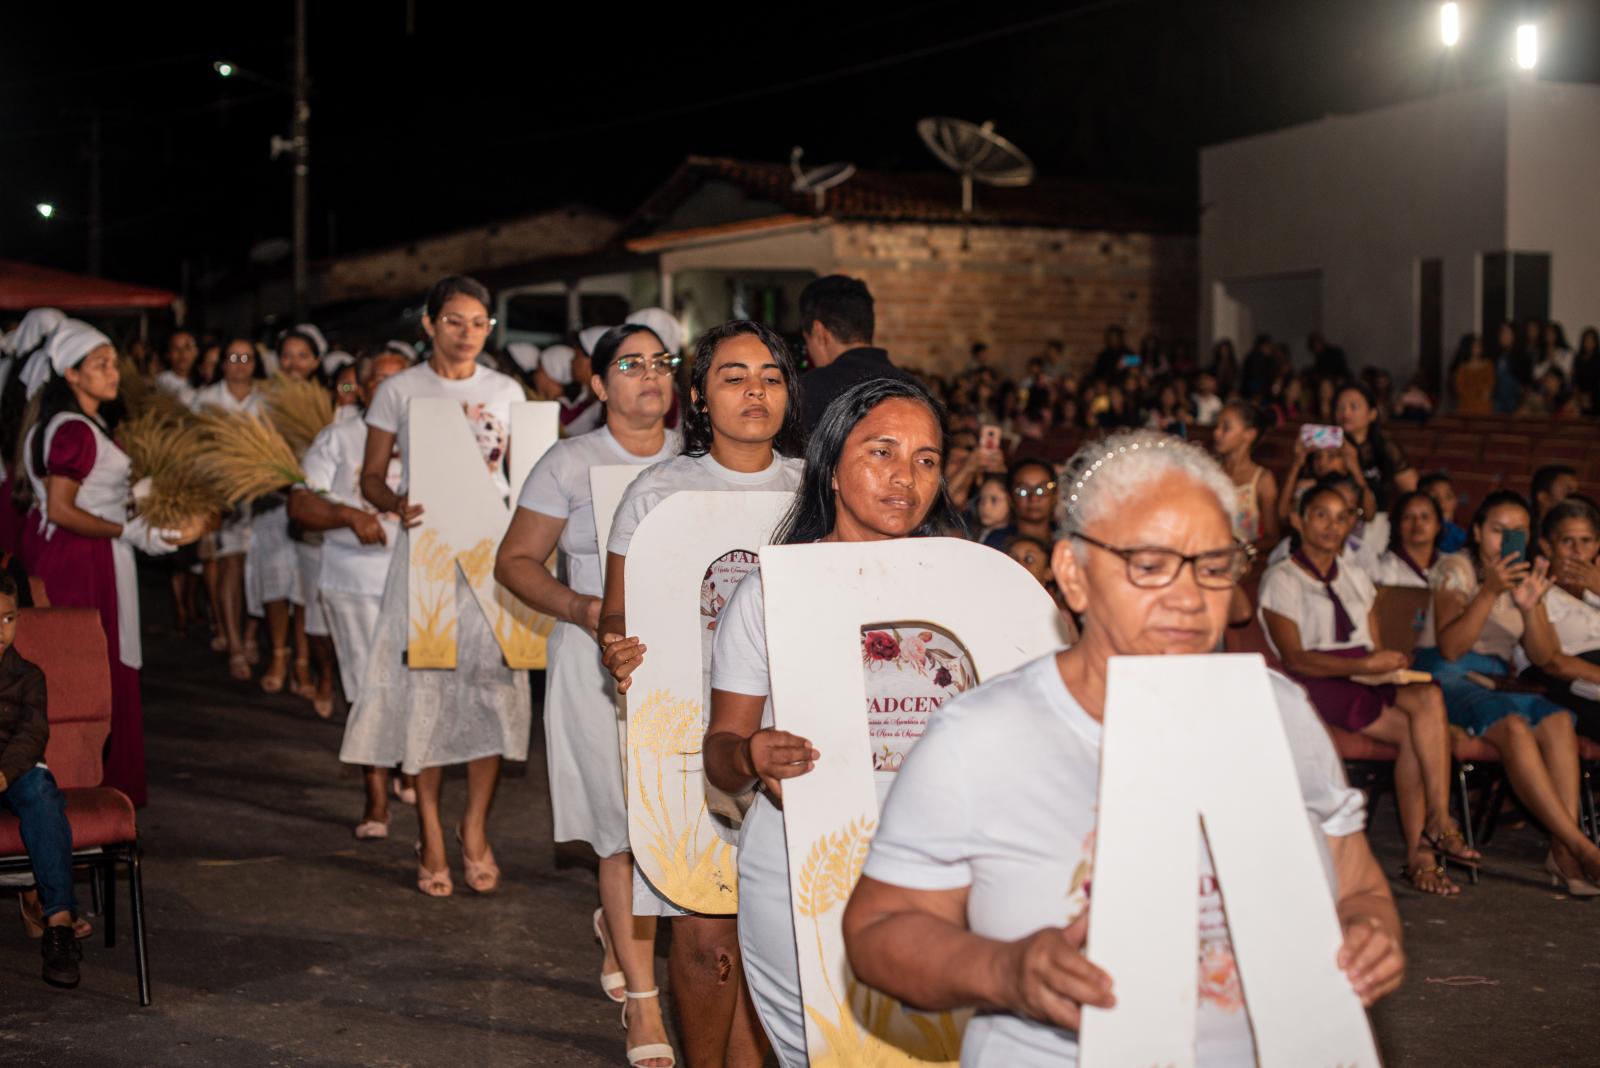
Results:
<point x="865" y="67"/>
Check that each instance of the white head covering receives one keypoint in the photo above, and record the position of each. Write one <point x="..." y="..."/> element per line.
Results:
<point x="35" y="327"/>
<point x="590" y="337"/>
<point x="318" y="342"/>
<point x="401" y="348"/>
<point x="525" y="354"/>
<point x="68" y="345"/>
<point x="662" y="324"/>
<point x="336" y="361"/>
<point x="556" y="361"/>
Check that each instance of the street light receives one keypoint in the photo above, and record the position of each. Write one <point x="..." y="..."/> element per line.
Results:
<point x="45" y="209"/>
<point x="227" y="70"/>
<point x="1450" y="24"/>
<point x="1527" y="46"/>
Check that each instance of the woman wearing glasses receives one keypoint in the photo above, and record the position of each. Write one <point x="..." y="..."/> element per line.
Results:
<point x="481" y="711"/>
<point x="1032" y="485"/>
<point x="1320" y="618"/>
<point x="976" y="889"/>
<point x="633" y="379"/>
<point x="741" y="433"/>
<point x="233" y="389"/>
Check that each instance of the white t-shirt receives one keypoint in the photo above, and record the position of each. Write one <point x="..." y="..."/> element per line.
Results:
<point x="1000" y="796"/>
<point x="911" y="670"/>
<point x="216" y="395"/>
<point x="1207" y="407"/>
<point x="1292" y="592"/>
<point x="558" y="486"/>
<point x="177" y="386"/>
<point x="332" y="465"/>
<point x="1390" y="570"/>
<point x="485" y="400"/>
<point x="1577" y="626"/>
<point x="682" y="473"/>
<point x="1365" y="545"/>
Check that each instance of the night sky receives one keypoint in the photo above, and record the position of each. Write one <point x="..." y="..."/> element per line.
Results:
<point x="472" y="113"/>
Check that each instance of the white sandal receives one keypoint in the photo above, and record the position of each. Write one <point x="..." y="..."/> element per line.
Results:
<point x="655" y="1051"/>
<point x="609" y="981"/>
<point x="370" y="830"/>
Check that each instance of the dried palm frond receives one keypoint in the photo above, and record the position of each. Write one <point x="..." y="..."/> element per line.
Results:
<point x="140" y="395"/>
<point x="299" y="409"/>
<point x="247" y="456"/>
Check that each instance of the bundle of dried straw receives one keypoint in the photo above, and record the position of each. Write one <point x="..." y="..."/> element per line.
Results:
<point x="247" y="455"/>
<point x="298" y="409"/>
<point x="169" y="451"/>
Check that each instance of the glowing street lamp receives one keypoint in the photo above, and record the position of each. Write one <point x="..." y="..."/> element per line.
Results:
<point x="1527" y="46"/>
<point x="1450" y="24"/>
<point x="226" y="70"/>
<point x="45" y="209"/>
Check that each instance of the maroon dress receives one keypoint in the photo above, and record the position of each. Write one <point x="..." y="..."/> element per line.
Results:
<point x="79" y="571"/>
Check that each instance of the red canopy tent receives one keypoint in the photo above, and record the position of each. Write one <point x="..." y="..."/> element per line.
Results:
<point x="24" y="286"/>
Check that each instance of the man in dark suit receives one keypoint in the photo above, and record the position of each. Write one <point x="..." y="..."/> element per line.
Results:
<point x="836" y="322"/>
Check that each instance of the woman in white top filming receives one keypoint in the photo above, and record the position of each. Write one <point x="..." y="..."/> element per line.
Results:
<point x="975" y="892"/>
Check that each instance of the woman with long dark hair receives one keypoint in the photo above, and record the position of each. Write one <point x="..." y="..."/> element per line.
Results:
<point x="741" y="433"/>
<point x="481" y="712"/>
<point x="633" y="376"/>
<point x="1487" y="600"/>
<point x="1472" y="377"/>
<point x="1586" y="371"/>
<point x="78" y="539"/>
<point x="1383" y="462"/>
<point x="873" y="472"/>
<point x="18" y="384"/>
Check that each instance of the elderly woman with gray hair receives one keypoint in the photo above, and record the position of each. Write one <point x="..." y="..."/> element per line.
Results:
<point x="976" y="891"/>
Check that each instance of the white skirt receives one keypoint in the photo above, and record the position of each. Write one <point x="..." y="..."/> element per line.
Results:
<point x="352" y="622"/>
<point x="583" y="744"/>
<point x="232" y="537"/>
<point x="271" y="572"/>
<point x="308" y="562"/>
<point x="766" y="933"/>
<point x="431" y="718"/>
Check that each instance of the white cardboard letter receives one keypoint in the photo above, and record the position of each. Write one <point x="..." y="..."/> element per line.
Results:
<point x="674" y="842"/>
<point x="1192" y="738"/>
<point x="462" y="524"/>
<point x="818" y="598"/>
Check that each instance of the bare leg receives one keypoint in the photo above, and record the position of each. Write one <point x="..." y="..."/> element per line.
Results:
<point x="1558" y="745"/>
<point x="1394" y="726"/>
<point x="302" y="653"/>
<point x="377" y="783"/>
<point x="322" y="652"/>
<point x="429" y="780"/>
<point x="483" y="775"/>
<point x="230" y="582"/>
<point x="278" y="631"/>
<point x="633" y="942"/>
<point x="747" y="1043"/>
<point x="179" y="581"/>
<point x="210" y="573"/>
<point x="1526" y="766"/>
<point x="707" y="992"/>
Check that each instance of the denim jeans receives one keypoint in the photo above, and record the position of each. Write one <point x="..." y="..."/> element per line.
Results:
<point x="42" y="811"/>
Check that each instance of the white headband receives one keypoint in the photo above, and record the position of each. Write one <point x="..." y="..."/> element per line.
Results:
<point x="556" y="361"/>
<point x="591" y="337"/>
<point x="525" y="354"/>
<point x="662" y="324"/>
<point x="318" y="343"/>
<point x="71" y="342"/>
<point x="35" y="328"/>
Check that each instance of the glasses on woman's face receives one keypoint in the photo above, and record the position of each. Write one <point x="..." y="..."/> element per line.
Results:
<point x="1153" y="569"/>
<point x="661" y="364"/>
<point x="1041" y="489"/>
<point x="346" y="388"/>
<point x="241" y="357"/>
<point x="477" y="324"/>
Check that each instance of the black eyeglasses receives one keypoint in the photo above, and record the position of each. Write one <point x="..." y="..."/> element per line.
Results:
<point x="1042" y="489"/>
<point x="663" y="364"/>
<point x="1153" y="569"/>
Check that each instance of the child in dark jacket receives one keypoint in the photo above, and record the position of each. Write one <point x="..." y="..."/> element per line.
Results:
<point x="29" y="791"/>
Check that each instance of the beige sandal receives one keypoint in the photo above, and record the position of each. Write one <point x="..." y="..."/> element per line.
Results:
<point x="273" y="678"/>
<point x="654" y="1051"/>
<point x="433" y="883"/>
<point x="483" y="876"/>
<point x="613" y="984"/>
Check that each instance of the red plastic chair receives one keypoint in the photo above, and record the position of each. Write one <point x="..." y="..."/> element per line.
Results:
<point x="69" y="646"/>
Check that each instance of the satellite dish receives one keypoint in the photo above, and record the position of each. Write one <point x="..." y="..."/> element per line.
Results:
<point x="976" y="153"/>
<point x="818" y="180"/>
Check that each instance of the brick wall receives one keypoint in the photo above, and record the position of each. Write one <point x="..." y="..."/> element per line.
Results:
<point x="1017" y="288"/>
<point x="410" y="269"/>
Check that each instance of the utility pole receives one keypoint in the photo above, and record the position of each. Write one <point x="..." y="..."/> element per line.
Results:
<point x="96" y="217"/>
<point x="300" y="136"/>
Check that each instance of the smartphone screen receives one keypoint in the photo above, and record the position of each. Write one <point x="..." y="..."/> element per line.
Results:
<point x="989" y="438"/>
<point x="1316" y="436"/>
<point x="1514" y="542"/>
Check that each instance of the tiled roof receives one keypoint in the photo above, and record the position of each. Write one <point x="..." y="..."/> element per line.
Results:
<point x="934" y="197"/>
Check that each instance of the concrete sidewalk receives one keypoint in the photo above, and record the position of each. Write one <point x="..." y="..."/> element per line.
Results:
<point x="277" y="939"/>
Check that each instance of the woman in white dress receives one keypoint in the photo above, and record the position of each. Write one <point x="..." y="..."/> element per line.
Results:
<point x="181" y="354"/>
<point x="354" y="561"/>
<point x="633" y="379"/>
<point x="741" y="433"/>
<point x="873" y="472"/>
<point x="234" y="390"/>
<point x="976" y="888"/>
<point x="1413" y="543"/>
<point x="480" y="712"/>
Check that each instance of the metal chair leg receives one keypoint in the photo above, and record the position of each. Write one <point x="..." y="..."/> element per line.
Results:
<point x="136" y="903"/>
<point x="1466" y="815"/>
<point x="97" y="904"/>
<point x="109" y="916"/>
<point x="1590" y="814"/>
